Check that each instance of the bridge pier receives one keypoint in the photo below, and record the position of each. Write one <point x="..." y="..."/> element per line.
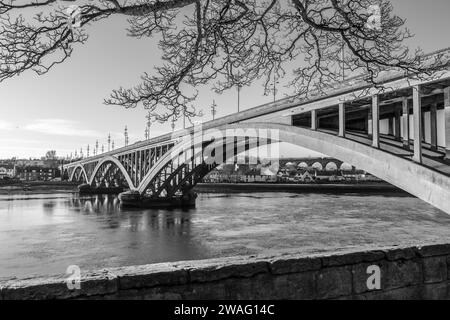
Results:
<point x="397" y="124"/>
<point x="433" y="126"/>
<point x="447" y="122"/>
<point x="376" y="121"/>
<point x="417" y="124"/>
<point x="406" y="129"/>
<point x="341" y="120"/>
<point x="134" y="199"/>
<point x="314" y="120"/>
<point x="86" y="188"/>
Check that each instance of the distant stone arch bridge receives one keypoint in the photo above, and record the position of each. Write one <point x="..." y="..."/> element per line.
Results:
<point x="400" y="135"/>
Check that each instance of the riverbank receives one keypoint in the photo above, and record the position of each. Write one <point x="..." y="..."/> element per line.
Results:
<point x="339" y="188"/>
<point x="394" y="272"/>
<point x="34" y="187"/>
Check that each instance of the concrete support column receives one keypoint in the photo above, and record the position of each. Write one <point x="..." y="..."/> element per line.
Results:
<point x="417" y="124"/>
<point x="376" y="121"/>
<point x="341" y="120"/>
<point x="397" y="125"/>
<point x="369" y="122"/>
<point x="405" y="111"/>
<point x="314" y="120"/>
<point x="433" y="126"/>
<point x="447" y="122"/>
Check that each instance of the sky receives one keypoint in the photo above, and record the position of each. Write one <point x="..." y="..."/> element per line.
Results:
<point x="63" y="110"/>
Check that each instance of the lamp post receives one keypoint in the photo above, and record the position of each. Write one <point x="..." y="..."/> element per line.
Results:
<point x="87" y="151"/>
<point x="173" y="124"/>
<point x="213" y="109"/>
<point x="109" y="142"/>
<point x="96" y="147"/>
<point x="149" y="124"/>
<point x="112" y="145"/>
<point x="126" y="136"/>
<point x="274" y="88"/>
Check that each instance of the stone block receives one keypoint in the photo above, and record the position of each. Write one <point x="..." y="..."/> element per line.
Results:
<point x="352" y="258"/>
<point x="436" y="291"/>
<point x="298" y="286"/>
<point x="434" y="269"/>
<point x="285" y="266"/>
<point x="334" y="282"/>
<point x="433" y="250"/>
<point x="397" y="274"/>
<point x="400" y="253"/>
<point x="224" y="271"/>
<point x="147" y="276"/>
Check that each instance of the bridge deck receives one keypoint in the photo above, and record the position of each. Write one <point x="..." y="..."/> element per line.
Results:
<point x="432" y="159"/>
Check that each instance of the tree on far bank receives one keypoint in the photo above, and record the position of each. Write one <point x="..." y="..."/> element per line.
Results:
<point x="50" y="155"/>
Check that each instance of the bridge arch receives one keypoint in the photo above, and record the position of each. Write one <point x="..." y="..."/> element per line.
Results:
<point x="317" y="166"/>
<point x="303" y="165"/>
<point x="422" y="182"/>
<point x="83" y="172"/>
<point x="331" y="166"/>
<point x="117" y="163"/>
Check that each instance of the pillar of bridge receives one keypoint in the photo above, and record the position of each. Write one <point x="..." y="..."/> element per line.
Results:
<point x="341" y="120"/>
<point x="433" y="126"/>
<point x="376" y="121"/>
<point x="397" y="124"/>
<point x="447" y="122"/>
<point x="405" y="117"/>
<point x="369" y="122"/>
<point x="417" y="123"/>
<point x="314" y="120"/>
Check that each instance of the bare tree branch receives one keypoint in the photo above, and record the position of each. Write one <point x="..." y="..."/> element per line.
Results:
<point x="222" y="42"/>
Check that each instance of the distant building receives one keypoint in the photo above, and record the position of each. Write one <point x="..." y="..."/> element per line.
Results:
<point x="290" y="170"/>
<point x="37" y="173"/>
<point x="7" y="171"/>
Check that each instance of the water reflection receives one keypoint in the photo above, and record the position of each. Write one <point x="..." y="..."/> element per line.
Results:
<point x="43" y="234"/>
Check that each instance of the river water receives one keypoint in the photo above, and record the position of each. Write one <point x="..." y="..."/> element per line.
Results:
<point x="42" y="234"/>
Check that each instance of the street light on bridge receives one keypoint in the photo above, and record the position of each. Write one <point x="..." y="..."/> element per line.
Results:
<point x="149" y="124"/>
<point x="274" y="87"/>
<point x="173" y="124"/>
<point x="126" y="136"/>
<point x="213" y="109"/>
<point x="109" y="142"/>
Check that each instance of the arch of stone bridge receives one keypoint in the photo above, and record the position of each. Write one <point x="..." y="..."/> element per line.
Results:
<point x="424" y="183"/>
<point x="117" y="163"/>
<point x="83" y="171"/>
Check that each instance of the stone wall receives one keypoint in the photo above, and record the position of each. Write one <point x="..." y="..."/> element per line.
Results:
<point x="407" y="272"/>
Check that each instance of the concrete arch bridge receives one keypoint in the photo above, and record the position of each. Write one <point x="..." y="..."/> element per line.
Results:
<point x="400" y="135"/>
